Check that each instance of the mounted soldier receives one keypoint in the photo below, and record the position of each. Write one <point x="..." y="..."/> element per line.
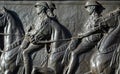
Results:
<point x="89" y="41"/>
<point x="46" y="28"/>
<point x="29" y="43"/>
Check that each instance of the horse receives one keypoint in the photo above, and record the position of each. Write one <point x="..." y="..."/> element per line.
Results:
<point x="59" y="35"/>
<point x="101" y="58"/>
<point x="117" y="70"/>
<point x="115" y="62"/>
<point x="13" y="33"/>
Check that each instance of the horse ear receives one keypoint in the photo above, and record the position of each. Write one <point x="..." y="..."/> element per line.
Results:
<point x="4" y="9"/>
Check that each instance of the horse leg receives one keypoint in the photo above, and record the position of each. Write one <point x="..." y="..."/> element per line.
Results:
<point x="100" y="63"/>
<point x="92" y="65"/>
<point x="4" y="69"/>
<point x="54" y="65"/>
<point x="72" y="62"/>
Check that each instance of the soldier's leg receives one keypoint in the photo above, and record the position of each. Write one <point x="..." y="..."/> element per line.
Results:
<point x="25" y="43"/>
<point x="26" y="59"/>
<point x="83" y="47"/>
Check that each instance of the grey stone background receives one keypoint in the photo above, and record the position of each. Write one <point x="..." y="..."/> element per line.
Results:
<point x="71" y="14"/>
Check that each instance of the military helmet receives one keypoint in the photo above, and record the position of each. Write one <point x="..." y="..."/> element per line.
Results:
<point x="51" y="5"/>
<point x="92" y="3"/>
<point x="44" y="4"/>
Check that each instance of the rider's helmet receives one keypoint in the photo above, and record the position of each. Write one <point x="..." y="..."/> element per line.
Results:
<point x="51" y="5"/>
<point x="93" y="3"/>
<point x="44" y="4"/>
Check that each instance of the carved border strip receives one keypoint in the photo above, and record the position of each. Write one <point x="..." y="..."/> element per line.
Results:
<point x="56" y="2"/>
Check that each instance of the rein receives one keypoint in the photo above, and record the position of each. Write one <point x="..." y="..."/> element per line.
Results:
<point x="40" y="42"/>
<point x="45" y="42"/>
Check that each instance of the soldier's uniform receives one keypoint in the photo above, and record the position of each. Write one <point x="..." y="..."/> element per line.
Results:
<point x="89" y="41"/>
<point x="110" y="43"/>
<point x="29" y="43"/>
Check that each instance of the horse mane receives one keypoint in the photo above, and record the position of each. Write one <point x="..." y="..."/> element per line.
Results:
<point x="65" y="30"/>
<point x="111" y="40"/>
<point x="108" y="16"/>
<point x="17" y="20"/>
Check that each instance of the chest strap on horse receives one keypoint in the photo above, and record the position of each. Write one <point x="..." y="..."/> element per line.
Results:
<point x="12" y="46"/>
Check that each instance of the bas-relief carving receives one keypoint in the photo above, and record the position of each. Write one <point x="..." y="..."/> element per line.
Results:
<point x="61" y="50"/>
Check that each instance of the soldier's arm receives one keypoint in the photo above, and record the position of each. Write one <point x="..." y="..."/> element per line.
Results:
<point x="42" y="33"/>
<point x="91" y="31"/>
<point x="101" y="27"/>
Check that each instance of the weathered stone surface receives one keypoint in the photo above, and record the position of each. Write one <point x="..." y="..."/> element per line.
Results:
<point x="71" y="14"/>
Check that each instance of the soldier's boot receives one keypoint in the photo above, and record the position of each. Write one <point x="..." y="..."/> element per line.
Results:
<point x="26" y="63"/>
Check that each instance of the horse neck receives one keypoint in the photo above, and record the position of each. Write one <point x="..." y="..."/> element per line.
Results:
<point x="56" y="46"/>
<point x="112" y="38"/>
<point x="14" y="31"/>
